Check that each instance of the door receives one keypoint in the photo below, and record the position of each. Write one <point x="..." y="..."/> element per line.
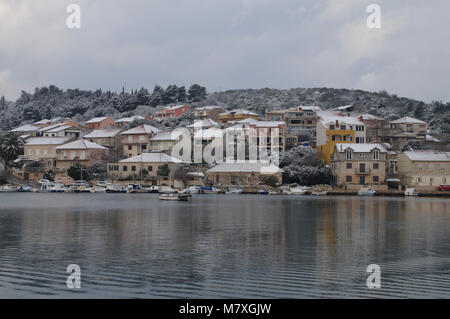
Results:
<point x="362" y="180"/>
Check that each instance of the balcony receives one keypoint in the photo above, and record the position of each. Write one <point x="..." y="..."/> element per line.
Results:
<point x="363" y="171"/>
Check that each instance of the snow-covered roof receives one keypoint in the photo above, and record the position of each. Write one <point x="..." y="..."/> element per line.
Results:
<point x="96" y="120"/>
<point x="408" y="120"/>
<point x="309" y="108"/>
<point x="209" y="107"/>
<point x="103" y="133"/>
<point x="164" y="136"/>
<point x="368" y="117"/>
<point x="359" y="148"/>
<point x="264" y="168"/>
<point x="428" y="156"/>
<point x="239" y="112"/>
<point x="209" y="133"/>
<point x="142" y="129"/>
<point x="155" y="157"/>
<point x="26" y="128"/>
<point x="51" y="127"/>
<point x="130" y="119"/>
<point x="47" y="141"/>
<point x="204" y="123"/>
<point x="41" y="122"/>
<point x="431" y="138"/>
<point x="80" y="145"/>
<point x="329" y="117"/>
<point x="343" y="108"/>
<point x="59" y="129"/>
<point x="174" y="107"/>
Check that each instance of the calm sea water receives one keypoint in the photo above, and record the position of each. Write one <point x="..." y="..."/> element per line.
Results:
<point x="135" y="246"/>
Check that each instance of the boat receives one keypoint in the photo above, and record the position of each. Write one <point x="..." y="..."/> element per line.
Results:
<point x="192" y="190"/>
<point x="263" y="192"/>
<point x="24" y="189"/>
<point x="210" y="190"/>
<point x="411" y="192"/>
<point x="8" y="189"/>
<point x="134" y="188"/>
<point x="98" y="189"/>
<point x="175" y="197"/>
<point x="56" y="188"/>
<point x="365" y="191"/>
<point x="115" y="188"/>
<point x="274" y="193"/>
<point x="319" y="193"/>
<point x="297" y="191"/>
<point x="234" y="191"/>
<point x="167" y="190"/>
<point x="82" y="189"/>
<point x="152" y="189"/>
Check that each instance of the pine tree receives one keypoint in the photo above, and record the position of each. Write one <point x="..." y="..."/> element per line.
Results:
<point x="182" y="94"/>
<point x="157" y="96"/>
<point x="171" y="95"/>
<point x="197" y="93"/>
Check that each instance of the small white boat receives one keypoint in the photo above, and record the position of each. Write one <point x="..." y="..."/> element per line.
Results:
<point x="82" y="189"/>
<point x="263" y="192"/>
<point x="167" y="190"/>
<point x="297" y="191"/>
<point x="8" y="189"/>
<point x="134" y="188"/>
<point x="192" y="190"/>
<point x="152" y="189"/>
<point x="116" y="188"/>
<point x="234" y="191"/>
<point x="210" y="190"/>
<point x="319" y="193"/>
<point x="57" y="188"/>
<point x="366" y="192"/>
<point x="98" y="189"/>
<point x="411" y="192"/>
<point x="175" y="197"/>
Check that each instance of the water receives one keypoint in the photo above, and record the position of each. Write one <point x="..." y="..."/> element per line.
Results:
<point x="135" y="246"/>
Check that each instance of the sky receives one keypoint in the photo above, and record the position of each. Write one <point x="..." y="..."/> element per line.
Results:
<point x="227" y="44"/>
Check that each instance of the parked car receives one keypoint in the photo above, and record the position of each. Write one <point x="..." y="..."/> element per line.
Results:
<point x="444" y="188"/>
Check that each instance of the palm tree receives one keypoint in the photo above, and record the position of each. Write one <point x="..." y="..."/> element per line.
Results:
<point x="11" y="146"/>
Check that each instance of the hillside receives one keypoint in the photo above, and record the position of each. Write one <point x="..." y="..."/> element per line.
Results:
<point x="50" y="102"/>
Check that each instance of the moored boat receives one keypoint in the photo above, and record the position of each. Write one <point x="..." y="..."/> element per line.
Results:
<point x="366" y="192"/>
<point x="210" y="190"/>
<point x="175" y="197"/>
<point x="234" y="191"/>
<point x="411" y="192"/>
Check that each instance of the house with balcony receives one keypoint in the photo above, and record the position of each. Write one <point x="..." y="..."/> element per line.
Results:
<point x="137" y="140"/>
<point x="109" y="138"/>
<point x="81" y="152"/>
<point x="208" y="112"/>
<point x="355" y="165"/>
<point x="146" y="166"/>
<point x="172" y="111"/>
<point x="243" y="174"/>
<point x="62" y="131"/>
<point x="424" y="170"/>
<point x="164" y="142"/>
<point x="236" y="115"/>
<point x="301" y="117"/>
<point x="43" y="149"/>
<point x="123" y="122"/>
<point x="407" y="129"/>
<point x="100" y="123"/>
<point x="333" y="128"/>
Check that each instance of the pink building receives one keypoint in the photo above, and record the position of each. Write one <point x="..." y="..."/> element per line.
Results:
<point x="172" y="111"/>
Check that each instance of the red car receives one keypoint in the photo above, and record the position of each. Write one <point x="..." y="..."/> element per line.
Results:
<point x="444" y="188"/>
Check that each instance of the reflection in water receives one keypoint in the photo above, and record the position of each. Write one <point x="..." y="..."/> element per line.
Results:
<point x="223" y="246"/>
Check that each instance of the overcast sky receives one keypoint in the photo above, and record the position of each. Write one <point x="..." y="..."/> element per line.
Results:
<point x="227" y="44"/>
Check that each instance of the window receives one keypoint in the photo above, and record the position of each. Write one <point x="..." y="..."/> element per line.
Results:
<point x="376" y="154"/>
<point x="444" y="180"/>
<point x="110" y="167"/>
<point x="376" y="166"/>
<point x="376" y="179"/>
<point x="431" y="180"/>
<point x="125" y="168"/>
<point x="362" y="155"/>
<point x="419" y="179"/>
<point x="133" y="168"/>
<point x="130" y="147"/>
<point x="116" y="167"/>
<point x="348" y="154"/>
<point x="349" y="166"/>
<point x="431" y="167"/>
<point x="360" y="128"/>
<point x="150" y="168"/>
<point x="360" y="140"/>
<point x="442" y="168"/>
<point x="420" y="167"/>
<point x="30" y="152"/>
<point x="348" y="179"/>
<point x="130" y="139"/>
<point x="342" y="127"/>
<point x="142" y="138"/>
<point x="332" y="127"/>
<point x="144" y="147"/>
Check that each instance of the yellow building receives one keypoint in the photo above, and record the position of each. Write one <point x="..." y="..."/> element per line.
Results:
<point x="236" y="115"/>
<point x="333" y="128"/>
